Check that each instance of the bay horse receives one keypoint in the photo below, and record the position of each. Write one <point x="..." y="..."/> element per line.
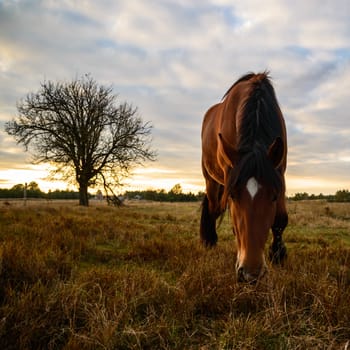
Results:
<point x="244" y="158"/>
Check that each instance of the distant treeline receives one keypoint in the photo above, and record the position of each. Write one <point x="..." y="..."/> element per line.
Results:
<point x="163" y="196"/>
<point x="33" y="191"/>
<point x="339" y="196"/>
<point x="174" y="195"/>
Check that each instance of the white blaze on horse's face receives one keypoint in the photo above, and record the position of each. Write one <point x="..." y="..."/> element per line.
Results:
<point x="252" y="187"/>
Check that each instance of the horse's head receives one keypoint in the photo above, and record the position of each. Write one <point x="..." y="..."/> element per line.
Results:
<point x="253" y="210"/>
<point x="252" y="189"/>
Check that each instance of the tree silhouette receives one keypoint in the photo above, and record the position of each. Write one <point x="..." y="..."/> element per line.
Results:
<point x="79" y="127"/>
<point x="177" y="189"/>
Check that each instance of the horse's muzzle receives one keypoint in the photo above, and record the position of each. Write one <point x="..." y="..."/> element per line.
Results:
<point x="245" y="276"/>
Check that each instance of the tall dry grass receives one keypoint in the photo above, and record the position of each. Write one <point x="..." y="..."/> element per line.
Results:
<point x="137" y="278"/>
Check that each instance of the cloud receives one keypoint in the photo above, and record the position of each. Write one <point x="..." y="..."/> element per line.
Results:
<point x="174" y="59"/>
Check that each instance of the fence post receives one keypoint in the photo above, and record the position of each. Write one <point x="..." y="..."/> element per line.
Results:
<point x="25" y="194"/>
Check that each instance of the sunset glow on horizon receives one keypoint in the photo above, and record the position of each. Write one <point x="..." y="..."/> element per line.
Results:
<point x="153" y="178"/>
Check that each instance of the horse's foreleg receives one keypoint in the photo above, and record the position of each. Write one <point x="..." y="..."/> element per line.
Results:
<point x="278" y="250"/>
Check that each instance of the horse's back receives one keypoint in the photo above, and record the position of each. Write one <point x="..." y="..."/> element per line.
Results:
<point x="210" y="130"/>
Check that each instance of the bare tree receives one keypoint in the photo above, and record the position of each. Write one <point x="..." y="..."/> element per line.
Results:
<point x="79" y="127"/>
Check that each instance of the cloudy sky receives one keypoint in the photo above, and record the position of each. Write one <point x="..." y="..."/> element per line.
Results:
<point x="173" y="59"/>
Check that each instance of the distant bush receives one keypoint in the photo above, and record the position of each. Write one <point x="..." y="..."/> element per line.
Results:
<point x="339" y="196"/>
<point x="342" y="196"/>
<point x="59" y="194"/>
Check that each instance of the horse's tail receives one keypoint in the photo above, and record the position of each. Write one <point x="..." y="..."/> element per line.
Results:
<point x="208" y="225"/>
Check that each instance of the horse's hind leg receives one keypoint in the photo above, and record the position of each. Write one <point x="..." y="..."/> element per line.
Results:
<point x="278" y="250"/>
<point x="210" y="212"/>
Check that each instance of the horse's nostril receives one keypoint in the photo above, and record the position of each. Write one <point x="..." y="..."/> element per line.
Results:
<point x="244" y="276"/>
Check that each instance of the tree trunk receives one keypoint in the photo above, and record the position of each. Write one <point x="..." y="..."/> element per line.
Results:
<point x="83" y="194"/>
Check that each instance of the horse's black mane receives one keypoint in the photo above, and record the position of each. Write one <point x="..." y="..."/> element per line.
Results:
<point x="260" y="125"/>
<point x="246" y="77"/>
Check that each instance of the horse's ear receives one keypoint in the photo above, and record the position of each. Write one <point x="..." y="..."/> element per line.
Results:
<point x="276" y="152"/>
<point x="229" y="154"/>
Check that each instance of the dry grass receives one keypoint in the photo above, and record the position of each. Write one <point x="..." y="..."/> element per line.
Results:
<point x="137" y="278"/>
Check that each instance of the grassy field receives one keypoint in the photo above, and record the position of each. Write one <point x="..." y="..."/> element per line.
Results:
<point x="136" y="277"/>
